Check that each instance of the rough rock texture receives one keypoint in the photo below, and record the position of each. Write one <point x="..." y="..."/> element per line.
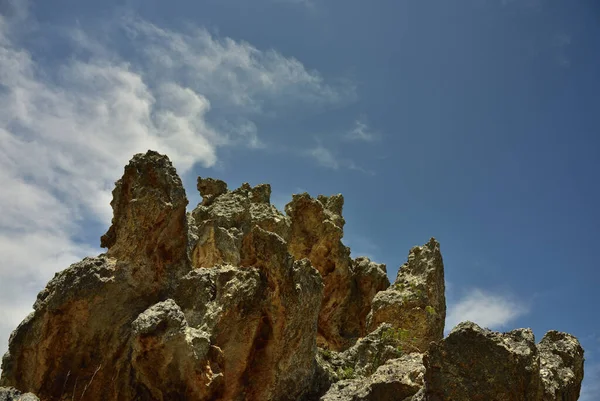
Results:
<point x="237" y="301"/>
<point x="149" y="217"/>
<point x="478" y="364"/>
<point x="12" y="394"/>
<point x="561" y="366"/>
<point x="416" y="301"/>
<point x="316" y="233"/>
<point x="397" y="379"/>
<point x="312" y="229"/>
<point x="139" y="322"/>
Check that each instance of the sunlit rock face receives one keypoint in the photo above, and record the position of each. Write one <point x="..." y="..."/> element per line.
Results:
<point x="416" y="301"/>
<point x="237" y="301"/>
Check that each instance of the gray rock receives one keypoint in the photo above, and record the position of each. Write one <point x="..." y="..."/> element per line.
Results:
<point x="478" y="364"/>
<point x="397" y="379"/>
<point x="12" y="394"/>
<point x="561" y="366"/>
<point x="416" y="301"/>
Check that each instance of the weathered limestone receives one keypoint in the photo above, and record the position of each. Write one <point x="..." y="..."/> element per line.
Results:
<point x="140" y="323"/>
<point x="397" y="379"/>
<point x="12" y="394"/>
<point x="149" y="224"/>
<point x="477" y="364"/>
<point x="416" y="301"/>
<point x="312" y="229"/>
<point x="316" y="233"/>
<point x="561" y="366"/>
<point x="229" y="302"/>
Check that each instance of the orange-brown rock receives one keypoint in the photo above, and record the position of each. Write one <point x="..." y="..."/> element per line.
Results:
<point x="229" y="302"/>
<point x="312" y="229"/>
<point x="140" y="323"/>
<point x="316" y="234"/>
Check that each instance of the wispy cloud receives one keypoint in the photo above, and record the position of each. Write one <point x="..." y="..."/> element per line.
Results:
<point x="361" y="132"/>
<point x="485" y="308"/>
<point x="327" y="158"/>
<point x="233" y="72"/>
<point x="64" y="141"/>
<point x="324" y="157"/>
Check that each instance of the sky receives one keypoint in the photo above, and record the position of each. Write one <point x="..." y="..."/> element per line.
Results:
<point x="473" y="121"/>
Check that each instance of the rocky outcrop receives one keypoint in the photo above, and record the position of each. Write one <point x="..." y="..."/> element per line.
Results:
<point x="416" y="301"/>
<point x="312" y="229"/>
<point x="397" y="379"/>
<point x="149" y="218"/>
<point x="316" y="234"/>
<point x="561" y="366"/>
<point x="237" y="301"/>
<point x="144" y="322"/>
<point x="474" y="363"/>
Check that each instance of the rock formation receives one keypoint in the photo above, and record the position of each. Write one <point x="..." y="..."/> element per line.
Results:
<point x="416" y="301"/>
<point x="237" y="301"/>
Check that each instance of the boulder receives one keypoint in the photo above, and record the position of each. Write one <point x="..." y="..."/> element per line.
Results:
<point x="473" y="363"/>
<point x="561" y="366"/>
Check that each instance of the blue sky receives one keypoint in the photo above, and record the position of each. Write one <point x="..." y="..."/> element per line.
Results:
<point x="473" y="121"/>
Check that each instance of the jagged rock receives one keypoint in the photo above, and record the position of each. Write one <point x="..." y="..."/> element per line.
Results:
<point x="169" y="358"/>
<point x="359" y="361"/>
<point x="397" y="379"/>
<point x="416" y="301"/>
<point x="364" y="357"/>
<point x="478" y="364"/>
<point x="220" y="226"/>
<point x="229" y="302"/>
<point x="140" y="323"/>
<point x="149" y="218"/>
<point x="12" y="394"/>
<point x="316" y="233"/>
<point x="369" y="279"/>
<point x="561" y="366"/>
<point x="210" y="188"/>
<point x="220" y="223"/>
<point x="474" y="363"/>
<point x="81" y="322"/>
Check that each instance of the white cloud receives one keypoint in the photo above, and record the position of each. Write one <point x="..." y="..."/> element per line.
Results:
<point x="361" y="132"/>
<point x="66" y="132"/>
<point x="324" y="157"/>
<point x="487" y="309"/>
<point x="234" y="72"/>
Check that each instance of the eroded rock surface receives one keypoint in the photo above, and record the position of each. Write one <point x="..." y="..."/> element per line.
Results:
<point x="312" y="229"/>
<point x="478" y="364"/>
<point x="12" y="394"/>
<point x="316" y="234"/>
<point x="237" y="301"/>
<point x="561" y="366"/>
<point x="146" y="322"/>
<point x="397" y="379"/>
<point x="416" y="301"/>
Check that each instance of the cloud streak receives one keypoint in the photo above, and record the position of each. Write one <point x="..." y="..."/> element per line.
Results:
<point x="361" y="132"/>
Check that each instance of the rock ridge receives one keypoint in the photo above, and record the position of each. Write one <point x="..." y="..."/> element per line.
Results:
<point x="236" y="300"/>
